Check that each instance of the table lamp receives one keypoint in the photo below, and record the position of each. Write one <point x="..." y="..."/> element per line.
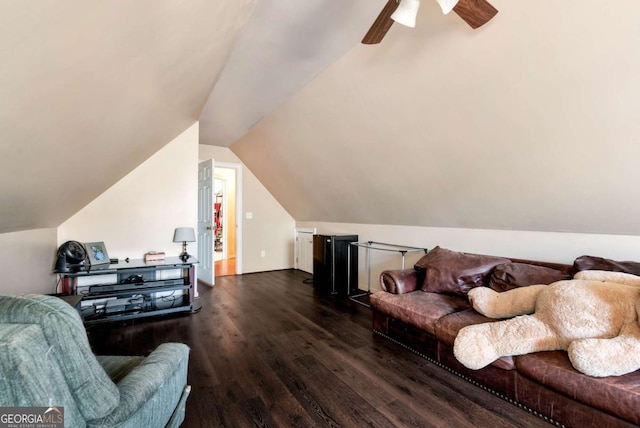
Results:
<point x="184" y="235"/>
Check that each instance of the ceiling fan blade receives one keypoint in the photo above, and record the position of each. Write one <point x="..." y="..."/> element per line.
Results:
<point x="475" y="12"/>
<point x="381" y="25"/>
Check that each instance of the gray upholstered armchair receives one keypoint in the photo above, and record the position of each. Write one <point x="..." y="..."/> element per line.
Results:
<point x="45" y="360"/>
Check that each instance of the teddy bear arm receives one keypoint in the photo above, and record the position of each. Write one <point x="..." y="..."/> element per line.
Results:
<point x="518" y="301"/>
<point x="477" y="346"/>
<point x="608" y="357"/>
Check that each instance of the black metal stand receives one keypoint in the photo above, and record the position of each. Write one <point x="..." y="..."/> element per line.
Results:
<point x="378" y="246"/>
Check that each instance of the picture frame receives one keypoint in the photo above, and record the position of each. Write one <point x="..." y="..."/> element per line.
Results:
<point x="97" y="253"/>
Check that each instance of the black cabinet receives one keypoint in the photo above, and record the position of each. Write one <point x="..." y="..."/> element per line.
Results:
<point x="332" y="255"/>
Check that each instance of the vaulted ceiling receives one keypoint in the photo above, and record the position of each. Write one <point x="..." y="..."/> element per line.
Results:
<point x="89" y="90"/>
<point x="530" y="122"/>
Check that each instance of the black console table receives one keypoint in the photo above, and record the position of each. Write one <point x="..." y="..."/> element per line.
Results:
<point x="133" y="289"/>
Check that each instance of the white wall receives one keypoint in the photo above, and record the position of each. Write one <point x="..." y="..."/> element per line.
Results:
<point x="545" y="246"/>
<point x="270" y="229"/>
<point x="26" y="261"/>
<point x="140" y="212"/>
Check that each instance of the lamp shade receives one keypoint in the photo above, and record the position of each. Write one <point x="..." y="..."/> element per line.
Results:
<point x="447" y="5"/>
<point x="184" y="234"/>
<point x="406" y="12"/>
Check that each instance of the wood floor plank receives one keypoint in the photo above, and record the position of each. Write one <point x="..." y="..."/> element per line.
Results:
<point x="258" y="413"/>
<point x="202" y="374"/>
<point x="335" y="357"/>
<point x="289" y="413"/>
<point x="302" y="393"/>
<point x="400" y="413"/>
<point x="342" y="402"/>
<point x="267" y="350"/>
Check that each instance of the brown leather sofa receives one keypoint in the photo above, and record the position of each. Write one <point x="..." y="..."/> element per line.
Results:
<point x="425" y="307"/>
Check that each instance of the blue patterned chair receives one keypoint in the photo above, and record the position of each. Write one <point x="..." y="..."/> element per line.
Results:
<point x="46" y="360"/>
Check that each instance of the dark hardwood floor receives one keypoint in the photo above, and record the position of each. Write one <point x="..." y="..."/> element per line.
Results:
<point x="267" y="351"/>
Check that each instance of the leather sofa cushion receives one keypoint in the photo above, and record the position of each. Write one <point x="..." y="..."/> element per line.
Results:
<point x="508" y="276"/>
<point x="447" y="328"/>
<point x="418" y="308"/>
<point x="618" y="395"/>
<point x="599" y="263"/>
<point x="447" y="271"/>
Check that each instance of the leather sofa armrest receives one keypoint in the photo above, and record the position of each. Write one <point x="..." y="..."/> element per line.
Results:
<point x="400" y="281"/>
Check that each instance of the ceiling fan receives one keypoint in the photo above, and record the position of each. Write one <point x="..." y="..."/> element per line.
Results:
<point x="474" y="12"/>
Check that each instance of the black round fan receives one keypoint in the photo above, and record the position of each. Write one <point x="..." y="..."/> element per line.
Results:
<point x="71" y="255"/>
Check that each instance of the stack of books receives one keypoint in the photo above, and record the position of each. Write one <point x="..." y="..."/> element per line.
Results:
<point x="154" y="256"/>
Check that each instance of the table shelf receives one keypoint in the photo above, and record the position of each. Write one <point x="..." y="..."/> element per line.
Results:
<point x="132" y="289"/>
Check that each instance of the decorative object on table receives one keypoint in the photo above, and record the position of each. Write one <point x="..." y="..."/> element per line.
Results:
<point x="474" y="12"/>
<point x="97" y="253"/>
<point x="70" y="256"/>
<point x="583" y="316"/>
<point x="154" y="256"/>
<point x="184" y="235"/>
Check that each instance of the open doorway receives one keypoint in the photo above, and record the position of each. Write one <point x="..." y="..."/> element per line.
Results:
<point x="220" y="230"/>
<point x="224" y="220"/>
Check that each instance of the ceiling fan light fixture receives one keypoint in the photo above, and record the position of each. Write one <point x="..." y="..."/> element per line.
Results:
<point x="447" y="5"/>
<point x="406" y="12"/>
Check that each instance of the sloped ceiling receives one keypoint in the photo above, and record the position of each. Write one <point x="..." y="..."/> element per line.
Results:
<point x="531" y="122"/>
<point x="284" y="45"/>
<point x="89" y="90"/>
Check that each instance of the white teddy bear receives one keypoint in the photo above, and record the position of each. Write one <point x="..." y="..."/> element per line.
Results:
<point x="594" y="317"/>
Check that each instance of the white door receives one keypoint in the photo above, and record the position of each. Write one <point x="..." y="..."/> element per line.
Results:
<point x="304" y="249"/>
<point x="306" y="262"/>
<point x="205" y="222"/>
